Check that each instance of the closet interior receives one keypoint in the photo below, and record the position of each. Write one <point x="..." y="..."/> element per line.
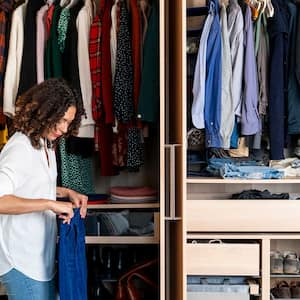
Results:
<point x="113" y="52"/>
<point x="238" y="222"/>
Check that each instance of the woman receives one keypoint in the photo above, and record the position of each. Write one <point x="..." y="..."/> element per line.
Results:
<point x="44" y="114"/>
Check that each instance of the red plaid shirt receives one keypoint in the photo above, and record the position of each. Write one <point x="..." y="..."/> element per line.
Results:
<point x="95" y="67"/>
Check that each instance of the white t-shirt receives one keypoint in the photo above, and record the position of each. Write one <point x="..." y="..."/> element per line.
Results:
<point x="28" y="241"/>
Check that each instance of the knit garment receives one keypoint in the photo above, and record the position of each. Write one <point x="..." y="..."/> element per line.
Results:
<point x="76" y="172"/>
<point x="62" y="28"/>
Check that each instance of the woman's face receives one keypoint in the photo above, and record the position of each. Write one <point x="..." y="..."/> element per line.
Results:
<point x="61" y="127"/>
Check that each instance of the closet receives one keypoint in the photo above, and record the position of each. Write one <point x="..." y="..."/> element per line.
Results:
<point x="218" y="236"/>
<point x="162" y="171"/>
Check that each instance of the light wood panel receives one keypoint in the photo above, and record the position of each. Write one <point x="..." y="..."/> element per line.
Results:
<point x="223" y="259"/>
<point x="243" y="215"/>
<point x="125" y="206"/>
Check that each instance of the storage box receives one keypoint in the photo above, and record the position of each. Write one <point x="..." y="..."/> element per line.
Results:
<point x="217" y="292"/>
<point x="222" y="259"/>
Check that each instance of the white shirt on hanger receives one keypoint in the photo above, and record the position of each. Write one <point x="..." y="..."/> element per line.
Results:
<point x="83" y="22"/>
<point x="14" y="60"/>
<point x="235" y="21"/>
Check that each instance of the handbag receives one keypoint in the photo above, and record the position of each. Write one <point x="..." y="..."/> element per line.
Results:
<point x="126" y="286"/>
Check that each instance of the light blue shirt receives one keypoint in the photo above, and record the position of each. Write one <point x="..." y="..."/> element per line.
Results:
<point x="200" y="74"/>
<point x="250" y="121"/>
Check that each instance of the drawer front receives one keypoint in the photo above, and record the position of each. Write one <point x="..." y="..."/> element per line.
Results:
<point x="222" y="259"/>
<point x="243" y="215"/>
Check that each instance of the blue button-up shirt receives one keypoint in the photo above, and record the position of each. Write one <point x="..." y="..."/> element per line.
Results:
<point x="212" y="108"/>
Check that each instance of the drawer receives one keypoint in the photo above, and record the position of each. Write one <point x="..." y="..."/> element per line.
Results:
<point x="243" y="215"/>
<point x="222" y="259"/>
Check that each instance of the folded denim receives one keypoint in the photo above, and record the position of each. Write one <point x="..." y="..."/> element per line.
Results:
<point x="250" y="172"/>
<point x="216" y="164"/>
<point x="256" y="194"/>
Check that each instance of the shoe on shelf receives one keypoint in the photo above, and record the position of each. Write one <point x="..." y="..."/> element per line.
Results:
<point x="291" y="263"/>
<point x="295" y="289"/>
<point x="276" y="262"/>
<point x="282" y="290"/>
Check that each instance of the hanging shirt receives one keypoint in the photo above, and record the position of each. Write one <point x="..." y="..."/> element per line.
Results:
<point x="250" y="121"/>
<point x="293" y="86"/>
<point x="278" y="33"/>
<point x="53" y="60"/>
<point x="113" y="38"/>
<point x="6" y="8"/>
<point x="15" y="52"/>
<point x="212" y="106"/>
<point x="227" y="108"/>
<point x="136" y="41"/>
<point x="123" y="89"/>
<point x="41" y="38"/>
<point x="200" y="74"/>
<point x="262" y="53"/>
<point x="28" y="77"/>
<point x="148" y="108"/>
<point x="24" y="172"/>
<point x="84" y="21"/>
<point x="235" y="23"/>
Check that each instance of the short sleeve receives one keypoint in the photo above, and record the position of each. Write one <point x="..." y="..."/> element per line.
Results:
<point x="15" y="164"/>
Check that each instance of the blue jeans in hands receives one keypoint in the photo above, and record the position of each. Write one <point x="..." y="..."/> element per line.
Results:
<point x="72" y="268"/>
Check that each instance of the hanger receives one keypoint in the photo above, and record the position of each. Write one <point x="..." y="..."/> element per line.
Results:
<point x="72" y="3"/>
<point x="63" y="3"/>
<point x="269" y="9"/>
<point x="263" y="5"/>
<point x="255" y="6"/>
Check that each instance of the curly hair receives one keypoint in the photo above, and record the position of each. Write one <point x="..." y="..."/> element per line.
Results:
<point x="43" y="106"/>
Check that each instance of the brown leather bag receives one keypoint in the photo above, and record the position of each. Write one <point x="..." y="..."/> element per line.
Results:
<point x="126" y="289"/>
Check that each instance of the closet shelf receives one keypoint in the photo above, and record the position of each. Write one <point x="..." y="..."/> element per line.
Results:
<point x="285" y="275"/>
<point x="123" y="205"/>
<point x="205" y="180"/>
<point x="122" y="239"/>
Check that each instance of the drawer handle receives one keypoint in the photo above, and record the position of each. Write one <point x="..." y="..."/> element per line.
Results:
<point x="215" y="241"/>
<point x="171" y="176"/>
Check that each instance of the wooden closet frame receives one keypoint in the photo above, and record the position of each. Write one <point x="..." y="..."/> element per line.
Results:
<point x="202" y="204"/>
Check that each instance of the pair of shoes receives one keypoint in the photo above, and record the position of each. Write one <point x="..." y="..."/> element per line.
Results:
<point x="287" y="263"/>
<point x="276" y="262"/>
<point x="291" y="263"/>
<point x="295" y="289"/>
<point x="284" y="290"/>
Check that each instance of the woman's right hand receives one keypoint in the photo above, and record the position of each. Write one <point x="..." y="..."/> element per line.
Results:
<point x="63" y="209"/>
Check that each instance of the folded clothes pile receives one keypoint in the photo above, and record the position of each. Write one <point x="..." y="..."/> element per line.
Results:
<point x="125" y="194"/>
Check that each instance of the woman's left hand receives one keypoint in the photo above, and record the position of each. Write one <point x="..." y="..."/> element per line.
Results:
<point x="78" y="200"/>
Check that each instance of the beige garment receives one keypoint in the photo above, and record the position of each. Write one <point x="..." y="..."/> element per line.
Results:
<point x="227" y="106"/>
<point x="241" y="151"/>
<point x="83" y="22"/>
<point x="13" y="66"/>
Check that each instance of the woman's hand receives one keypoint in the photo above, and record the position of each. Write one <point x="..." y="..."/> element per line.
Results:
<point x="63" y="209"/>
<point x="79" y="200"/>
